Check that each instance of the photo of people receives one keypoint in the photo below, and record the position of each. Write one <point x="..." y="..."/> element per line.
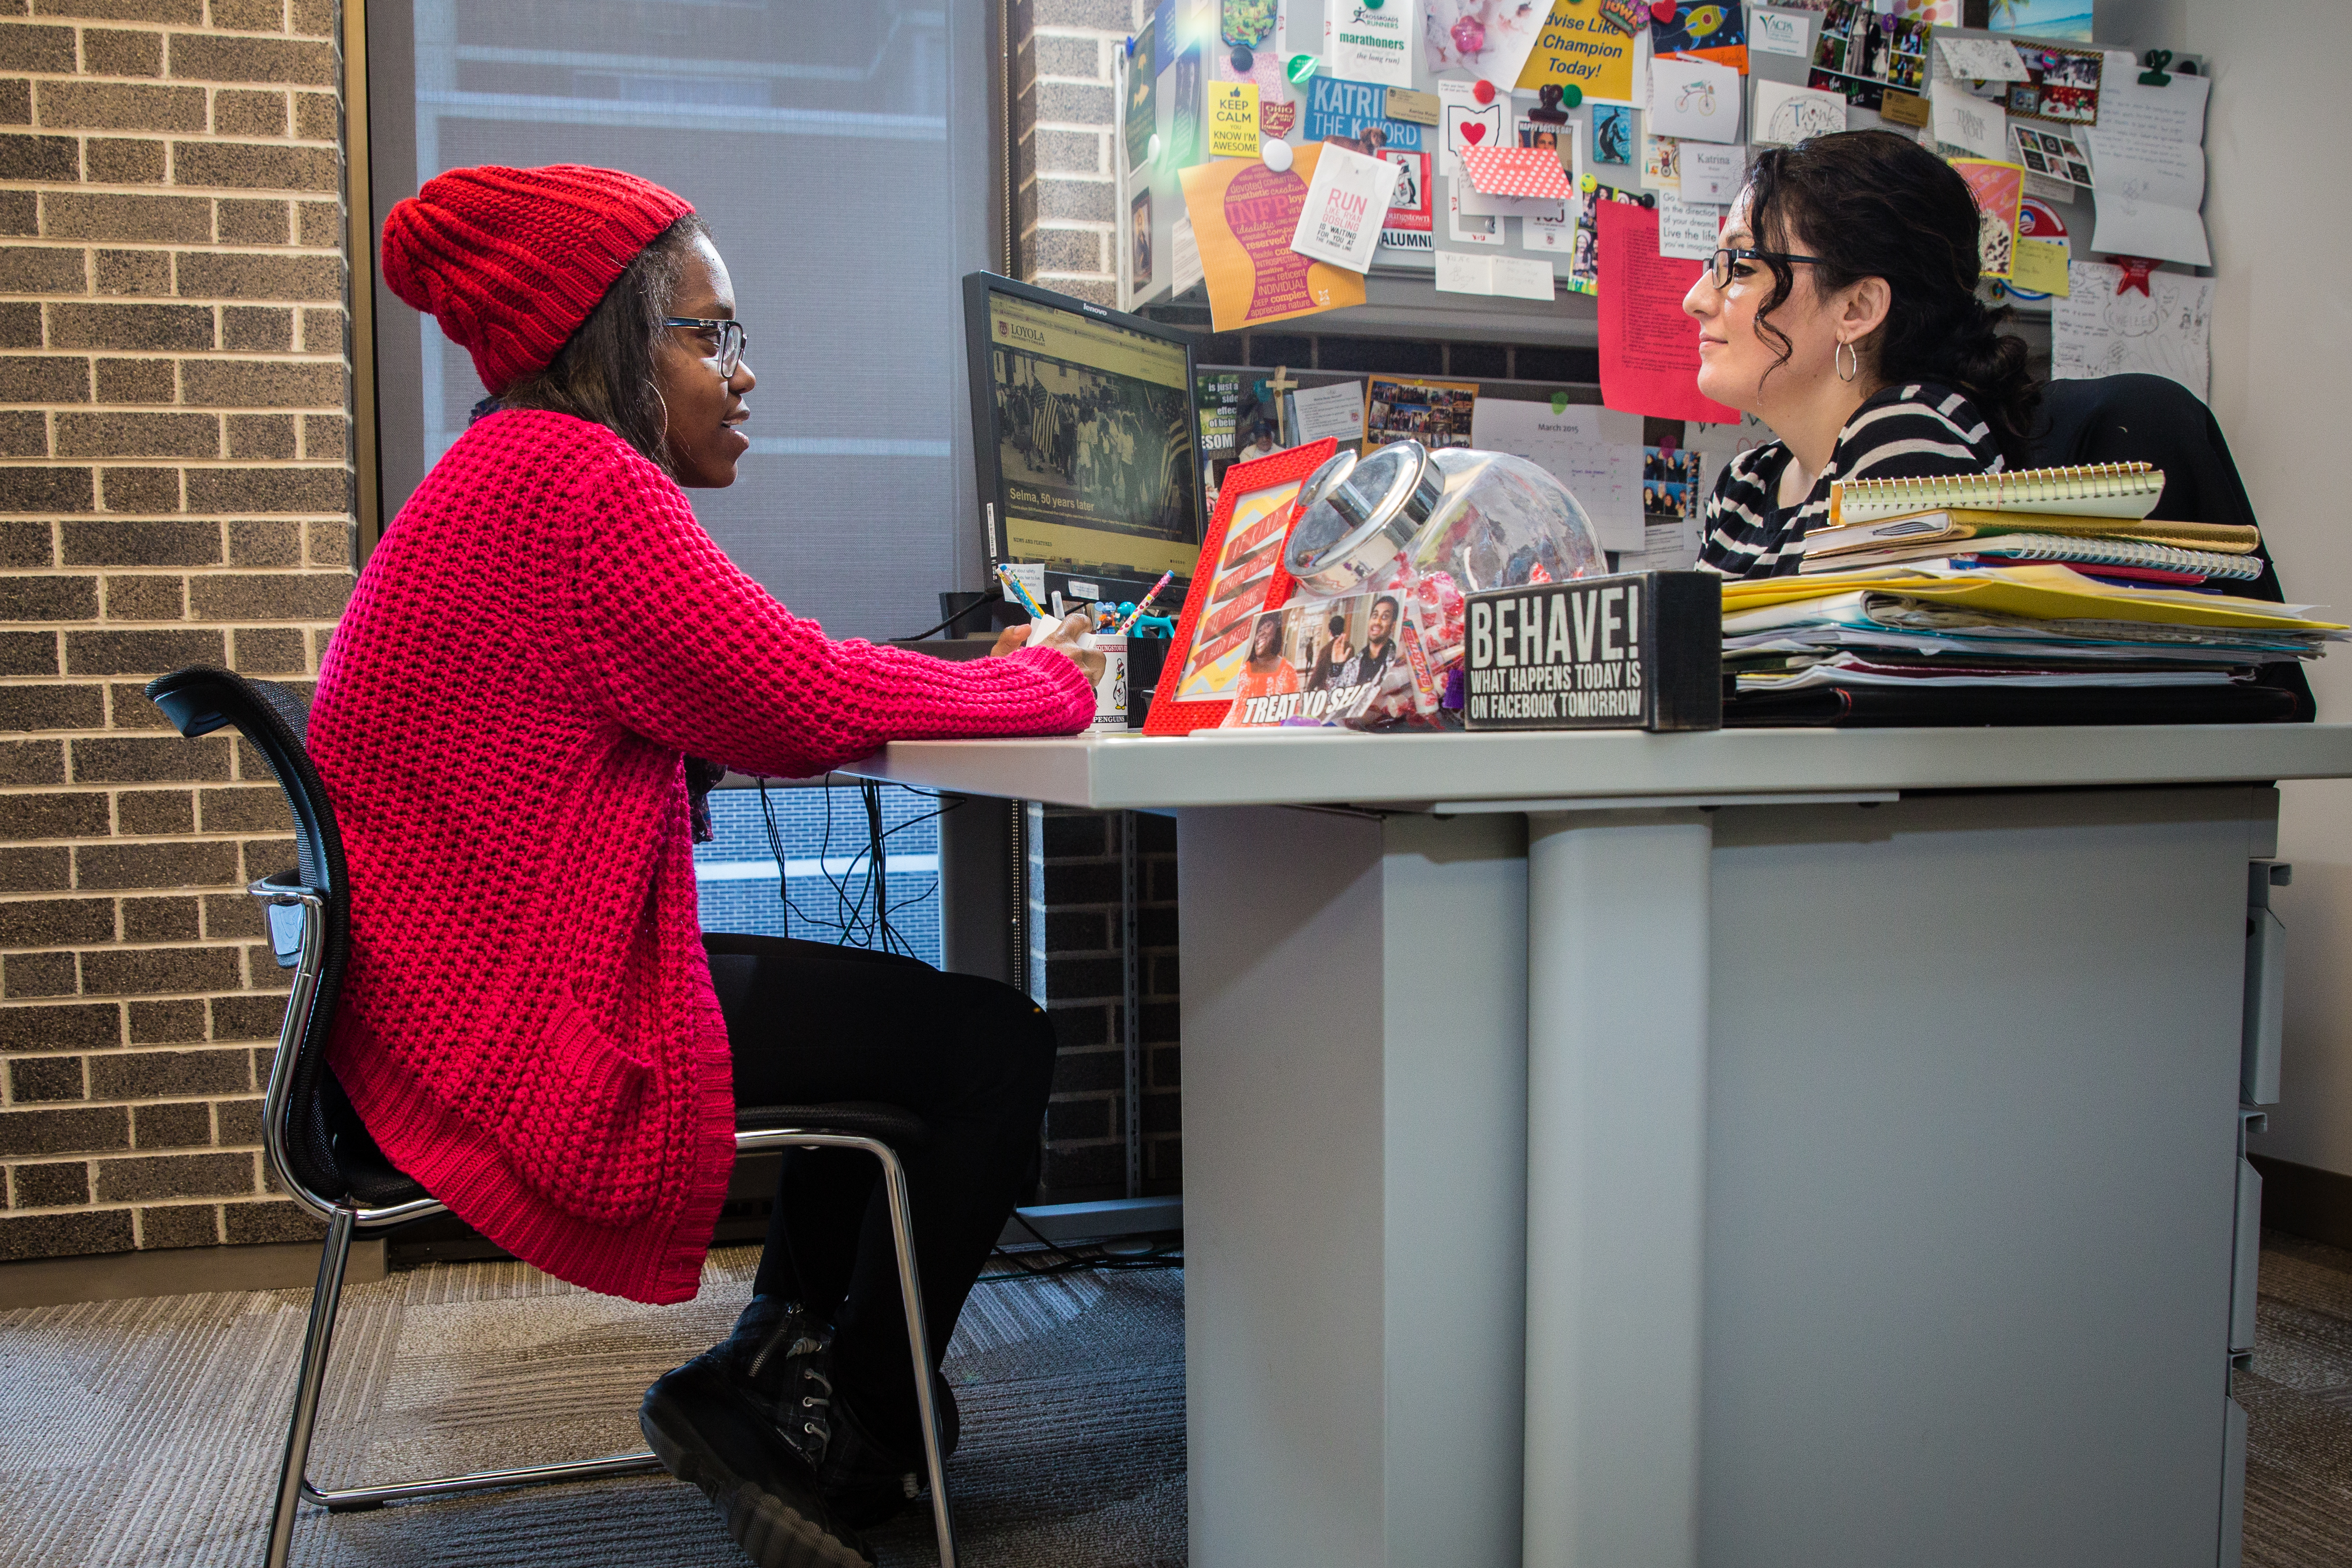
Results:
<point x="1140" y="226"/>
<point x="1114" y="451"/>
<point x="1862" y="53"/>
<point x="1316" y="663"/>
<point x="1435" y="413"/>
<point x="1670" y="479"/>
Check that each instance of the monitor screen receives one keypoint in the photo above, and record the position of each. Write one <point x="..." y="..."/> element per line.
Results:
<point x="1084" y="428"/>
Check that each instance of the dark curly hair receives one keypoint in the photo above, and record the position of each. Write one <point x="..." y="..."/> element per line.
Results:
<point x="604" y="372"/>
<point x="1870" y="204"/>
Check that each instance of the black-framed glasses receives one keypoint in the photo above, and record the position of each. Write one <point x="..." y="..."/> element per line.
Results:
<point x="1718" y="270"/>
<point x="731" y="337"/>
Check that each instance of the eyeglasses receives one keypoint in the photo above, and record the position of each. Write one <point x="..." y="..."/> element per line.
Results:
<point x="1718" y="270"/>
<point x="732" y="340"/>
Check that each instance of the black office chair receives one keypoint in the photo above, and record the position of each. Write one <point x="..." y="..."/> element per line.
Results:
<point x="2154" y="419"/>
<point x="324" y="1157"/>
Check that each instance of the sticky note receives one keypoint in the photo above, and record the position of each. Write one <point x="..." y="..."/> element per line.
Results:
<point x="2039" y="266"/>
<point x="1232" y="119"/>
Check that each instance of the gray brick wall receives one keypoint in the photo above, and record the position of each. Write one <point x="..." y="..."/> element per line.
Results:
<point x="1076" y="934"/>
<point x="1064" y="111"/>
<point x="174" y="487"/>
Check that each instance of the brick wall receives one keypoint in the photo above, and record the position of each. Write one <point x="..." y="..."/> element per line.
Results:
<point x="174" y="487"/>
<point x="1064" y="110"/>
<point x="1077" y="937"/>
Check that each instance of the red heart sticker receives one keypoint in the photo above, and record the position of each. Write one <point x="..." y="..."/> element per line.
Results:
<point x="1663" y="11"/>
<point x="1473" y="132"/>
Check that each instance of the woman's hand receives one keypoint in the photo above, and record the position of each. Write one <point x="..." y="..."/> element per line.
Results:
<point x="1065" y="638"/>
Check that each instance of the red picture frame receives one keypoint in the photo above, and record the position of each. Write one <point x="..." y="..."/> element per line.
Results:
<point x="1206" y="606"/>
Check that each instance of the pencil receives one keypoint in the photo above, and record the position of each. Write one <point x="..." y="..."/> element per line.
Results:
<point x="1012" y="585"/>
<point x="1144" y="603"/>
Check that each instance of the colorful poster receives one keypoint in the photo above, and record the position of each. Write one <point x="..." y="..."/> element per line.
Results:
<point x="1364" y="42"/>
<point x="1350" y="109"/>
<point x="2043" y="18"/>
<point x="1998" y="188"/>
<point x="1649" y="349"/>
<point x="1711" y="29"/>
<point x="1243" y="215"/>
<point x="1142" y="96"/>
<point x="1578" y="46"/>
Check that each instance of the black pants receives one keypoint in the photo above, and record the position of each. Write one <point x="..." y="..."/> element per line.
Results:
<point x="808" y="1021"/>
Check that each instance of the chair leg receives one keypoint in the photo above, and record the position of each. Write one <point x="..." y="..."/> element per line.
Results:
<point x="326" y="1299"/>
<point x="894" y="1181"/>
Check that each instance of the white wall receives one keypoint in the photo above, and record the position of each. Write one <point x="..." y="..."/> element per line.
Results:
<point x="2281" y="375"/>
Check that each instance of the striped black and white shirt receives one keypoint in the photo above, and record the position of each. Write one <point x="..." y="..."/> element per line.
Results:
<point x="1912" y="432"/>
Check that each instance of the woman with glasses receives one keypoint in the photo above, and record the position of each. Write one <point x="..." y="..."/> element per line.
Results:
<point x="532" y="1024"/>
<point x="1842" y="311"/>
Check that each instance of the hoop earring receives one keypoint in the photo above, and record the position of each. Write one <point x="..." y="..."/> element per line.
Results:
<point x="1845" y="354"/>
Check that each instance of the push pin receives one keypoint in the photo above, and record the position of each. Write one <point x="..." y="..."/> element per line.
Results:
<point x="1276" y="154"/>
<point x="1300" y="68"/>
<point x="1483" y="91"/>
<point x="1242" y="60"/>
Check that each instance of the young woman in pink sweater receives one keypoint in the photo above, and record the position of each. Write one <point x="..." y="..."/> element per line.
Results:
<point x="533" y="1024"/>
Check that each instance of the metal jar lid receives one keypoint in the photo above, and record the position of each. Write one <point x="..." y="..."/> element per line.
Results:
<point x="1358" y="512"/>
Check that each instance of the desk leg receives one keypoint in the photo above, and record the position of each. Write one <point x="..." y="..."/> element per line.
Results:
<point x="1617" y="1029"/>
<point x="1355" y="1122"/>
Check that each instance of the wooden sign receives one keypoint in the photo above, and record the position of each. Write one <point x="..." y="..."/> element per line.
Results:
<point x="1639" y="651"/>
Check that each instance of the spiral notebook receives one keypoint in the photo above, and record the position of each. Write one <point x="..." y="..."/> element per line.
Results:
<point x="2054" y="547"/>
<point x="2092" y="490"/>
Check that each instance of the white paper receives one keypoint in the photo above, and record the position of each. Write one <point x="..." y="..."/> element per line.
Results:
<point x="1458" y="108"/>
<point x="1468" y="228"/>
<point x="1688" y="230"/>
<point x="1693" y="99"/>
<point x="2149" y="192"/>
<point x="1506" y="33"/>
<point x="1966" y="120"/>
<point x="2173" y="112"/>
<point x="1512" y="276"/>
<point x="1184" y="256"/>
<point x="2048" y="188"/>
<point x="1786" y="115"/>
<point x="2095" y="331"/>
<point x="1712" y="172"/>
<point x="1336" y="410"/>
<point x="1360" y="43"/>
<point x="1981" y="60"/>
<point x="1573" y="444"/>
<point x="1773" y="32"/>
<point x="1346" y="203"/>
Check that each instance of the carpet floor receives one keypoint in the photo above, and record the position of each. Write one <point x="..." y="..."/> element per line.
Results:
<point x="146" y="1432"/>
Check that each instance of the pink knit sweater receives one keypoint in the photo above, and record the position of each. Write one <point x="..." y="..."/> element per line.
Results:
<point x="527" y="1025"/>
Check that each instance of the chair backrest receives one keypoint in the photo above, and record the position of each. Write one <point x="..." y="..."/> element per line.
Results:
<point x="198" y="700"/>
<point x="2154" y="419"/>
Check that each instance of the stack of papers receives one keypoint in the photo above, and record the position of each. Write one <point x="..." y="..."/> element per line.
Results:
<point x="1932" y="625"/>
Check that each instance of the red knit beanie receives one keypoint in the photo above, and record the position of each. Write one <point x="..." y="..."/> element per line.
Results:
<point x="511" y="261"/>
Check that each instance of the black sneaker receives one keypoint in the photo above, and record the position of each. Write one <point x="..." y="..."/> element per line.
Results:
<point x="783" y="1357"/>
<point x="708" y="1431"/>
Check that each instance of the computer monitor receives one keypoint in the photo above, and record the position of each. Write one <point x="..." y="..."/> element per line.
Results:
<point x="1088" y="447"/>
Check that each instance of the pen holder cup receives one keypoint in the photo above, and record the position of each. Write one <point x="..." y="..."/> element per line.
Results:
<point x="1110" y="686"/>
<point x="1146" y="657"/>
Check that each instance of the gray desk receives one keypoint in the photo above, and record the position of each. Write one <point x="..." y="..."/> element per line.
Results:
<point x="1745" y="1149"/>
